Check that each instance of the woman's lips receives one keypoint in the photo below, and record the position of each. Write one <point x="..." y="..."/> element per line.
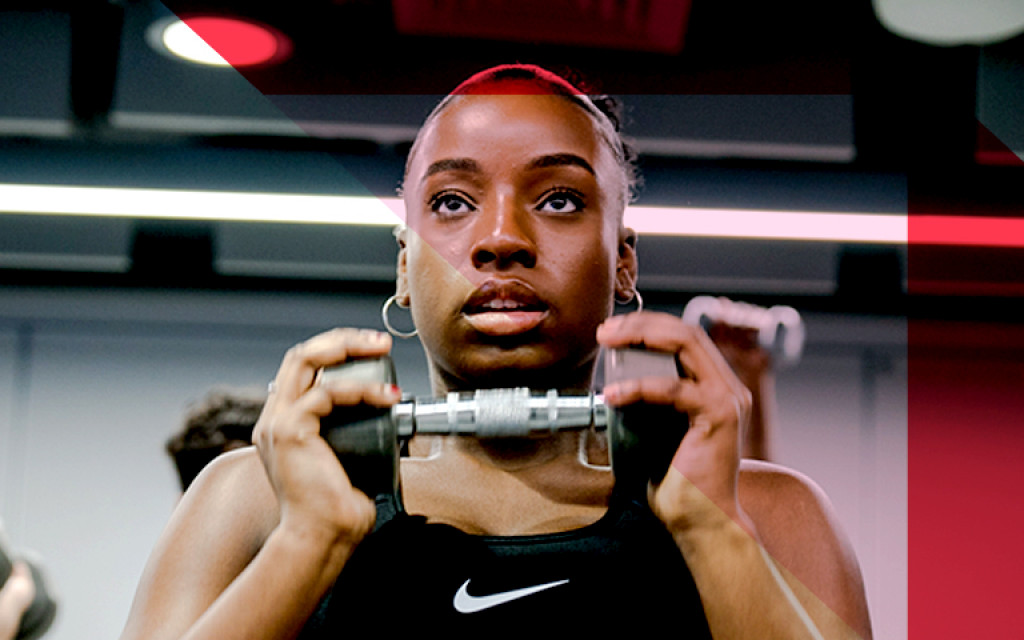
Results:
<point x="504" y="308"/>
<point x="505" y="322"/>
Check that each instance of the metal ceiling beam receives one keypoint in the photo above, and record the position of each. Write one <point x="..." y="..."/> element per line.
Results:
<point x="95" y="44"/>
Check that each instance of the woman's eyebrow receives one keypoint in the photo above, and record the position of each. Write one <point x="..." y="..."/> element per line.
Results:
<point x="452" y="164"/>
<point x="469" y="165"/>
<point x="561" y="159"/>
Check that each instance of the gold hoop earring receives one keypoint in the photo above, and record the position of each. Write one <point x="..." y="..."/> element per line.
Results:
<point x="387" y="323"/>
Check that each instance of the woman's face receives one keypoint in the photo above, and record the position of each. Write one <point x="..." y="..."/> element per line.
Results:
<point x="515" y="243"/>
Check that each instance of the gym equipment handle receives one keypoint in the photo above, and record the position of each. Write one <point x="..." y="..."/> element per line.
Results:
<point x="500" y="413"/>
<point x="367" y="439"/>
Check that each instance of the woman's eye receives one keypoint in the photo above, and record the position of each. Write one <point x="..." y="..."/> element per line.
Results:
<point x="562" y="202"/>
<point x="450" y="204"/>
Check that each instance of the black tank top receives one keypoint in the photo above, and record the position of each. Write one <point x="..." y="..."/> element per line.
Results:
<point x="620" y="575"/>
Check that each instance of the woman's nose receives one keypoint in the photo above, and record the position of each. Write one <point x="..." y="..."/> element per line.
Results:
<point x="505" y="239"/>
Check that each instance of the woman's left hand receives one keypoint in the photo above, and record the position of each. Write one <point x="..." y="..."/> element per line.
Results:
<point x="700" y="486"/>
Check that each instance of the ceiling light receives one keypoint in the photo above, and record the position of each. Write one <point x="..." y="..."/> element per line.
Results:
<point x="177" y="204"/>
<point x="768" y="225"/>
<point x="220" y="41"/>
<point x="814" y="226"/>
<point x="952" y="22"/>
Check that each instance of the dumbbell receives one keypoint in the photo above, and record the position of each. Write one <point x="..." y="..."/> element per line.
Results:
<point x="368" y="440"/>
<point x="43" y="609"/>
<point x="780" y="330"/>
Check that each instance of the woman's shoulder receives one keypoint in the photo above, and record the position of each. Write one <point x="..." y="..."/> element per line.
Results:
<point x="799" y="528"/>
<point x="218" y="526"/>
<point x="777" y="497"/>
<point x="762" y="478"/>
<point x="242" y="464"/>
<point x="234" y="491"/>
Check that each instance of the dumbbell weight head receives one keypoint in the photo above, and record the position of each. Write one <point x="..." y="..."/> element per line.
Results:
<point x="40" y="614"/>
<point x="36" y="620"/>
<point x="365" y="438"/>
<point x="6" y="564"/>
<point x="642" y="439"/>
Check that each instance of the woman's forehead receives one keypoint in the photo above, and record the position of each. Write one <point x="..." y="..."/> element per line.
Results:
<point x="492" y="126"/>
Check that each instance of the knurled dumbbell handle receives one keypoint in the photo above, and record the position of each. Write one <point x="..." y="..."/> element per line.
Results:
<point x="500" y="413"/>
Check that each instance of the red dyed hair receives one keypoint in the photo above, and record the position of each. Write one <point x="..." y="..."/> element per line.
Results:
<point x="516" y="79"/>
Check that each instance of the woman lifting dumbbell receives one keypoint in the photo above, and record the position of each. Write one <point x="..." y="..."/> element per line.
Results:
<point x="511" y="262"/>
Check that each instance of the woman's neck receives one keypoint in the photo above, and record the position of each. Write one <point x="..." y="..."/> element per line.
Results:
<point x="519" y="454"/>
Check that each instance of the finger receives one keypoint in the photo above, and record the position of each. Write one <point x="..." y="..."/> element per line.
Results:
<point x="639" y="329"/>
<point x="679" y="393"/>
<point x="302" y="362"/>
<point x="663" y="332"/>
<point x="302" y="417"/>
<point x="715" y="404"/>
<point x="342" y="393"/>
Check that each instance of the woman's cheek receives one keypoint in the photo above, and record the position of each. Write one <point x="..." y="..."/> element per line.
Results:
<point x="436" y="288"/>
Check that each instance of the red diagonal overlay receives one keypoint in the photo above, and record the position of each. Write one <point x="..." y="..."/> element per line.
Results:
<point x="965" y="420"/>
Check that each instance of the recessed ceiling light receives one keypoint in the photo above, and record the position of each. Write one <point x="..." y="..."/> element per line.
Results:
<point x="949" y="23"/>
<point x="814" y="226"/>
<point x="220" y="41"/>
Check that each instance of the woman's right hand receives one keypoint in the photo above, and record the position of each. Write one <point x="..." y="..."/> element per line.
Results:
<point x="261" y="536"/>
<point x="313" y="492"/>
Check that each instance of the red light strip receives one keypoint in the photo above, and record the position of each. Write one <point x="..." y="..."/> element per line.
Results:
<point x="971" y="231"/>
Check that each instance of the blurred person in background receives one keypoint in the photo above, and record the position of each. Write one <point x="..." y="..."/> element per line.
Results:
<point x="222" y="421"/>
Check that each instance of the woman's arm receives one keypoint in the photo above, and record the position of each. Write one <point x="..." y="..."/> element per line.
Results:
<point x="799" y="529"/>
<point x="752" y="364"/>
<point x="745" y="593"/>
<point x="264" y="532"/>
<point x="783" y="554"/>
<point x="225" y="568"/>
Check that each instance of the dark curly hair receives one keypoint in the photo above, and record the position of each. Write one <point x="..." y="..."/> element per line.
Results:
<point x="222" y="421"/>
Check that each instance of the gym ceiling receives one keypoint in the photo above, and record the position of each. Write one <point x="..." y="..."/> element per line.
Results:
<point x="799" y="106"/>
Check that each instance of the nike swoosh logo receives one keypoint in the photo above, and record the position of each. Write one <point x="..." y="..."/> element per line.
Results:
<point x="465" y="603"/>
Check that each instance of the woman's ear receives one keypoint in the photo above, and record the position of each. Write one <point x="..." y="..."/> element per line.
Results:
<point x="626" y="266"/>
<point x="402" y="270"/>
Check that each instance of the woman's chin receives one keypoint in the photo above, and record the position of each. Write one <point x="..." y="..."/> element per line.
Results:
<point x="536" y="366"/>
